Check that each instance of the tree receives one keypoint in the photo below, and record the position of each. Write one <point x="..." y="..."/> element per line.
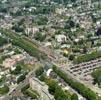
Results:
<point x="96" y="74"/>
<point x="42" y="77"/>
<point x="79" y="87"/>
<point x="52" y="86"/>
<point x="17" y="28"/>
<point x="3" y="41"/>
<point x="17" y="70"/>
<point x="71" y="57"/>
<point x="84" y="49"/>
<point x="3" y="10"/>
<point x="74" y="97"/>
<point x="71" y="23"/>
<point x="39" y="71"/>
<point x="42" y="20"/>
<point x="4" y="89"/>
<point x="73" y="1"/>
<point x="94" y="19"/>
<point x="21" y="78"/>
<point x="39" y="36"/>
<point x="60" y="94"/>
<point x="57" y="91"/>
<point x="88" y="57"/>
<point x="23" y="90"/>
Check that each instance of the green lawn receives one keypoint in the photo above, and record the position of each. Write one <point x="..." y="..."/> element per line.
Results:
<point x="4" y="90"/>
<point x="32" y="93"/>
<point x="28" y="91"/>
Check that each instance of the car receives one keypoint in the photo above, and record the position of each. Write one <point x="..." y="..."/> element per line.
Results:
<point x="14" y="90"/>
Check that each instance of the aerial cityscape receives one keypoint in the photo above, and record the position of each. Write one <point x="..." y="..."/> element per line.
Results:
<point x="50" y="49"/>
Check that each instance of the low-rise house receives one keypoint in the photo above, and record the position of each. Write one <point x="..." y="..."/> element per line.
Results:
<point x="77" y="40"/>
<point x="48" y="44"/>
<point x="48" y="72"/>
<point x="60" y="38"/>
<point x="5" y="46"/>
<point x="9" y="62"/>
<point x="31" y="30"/>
